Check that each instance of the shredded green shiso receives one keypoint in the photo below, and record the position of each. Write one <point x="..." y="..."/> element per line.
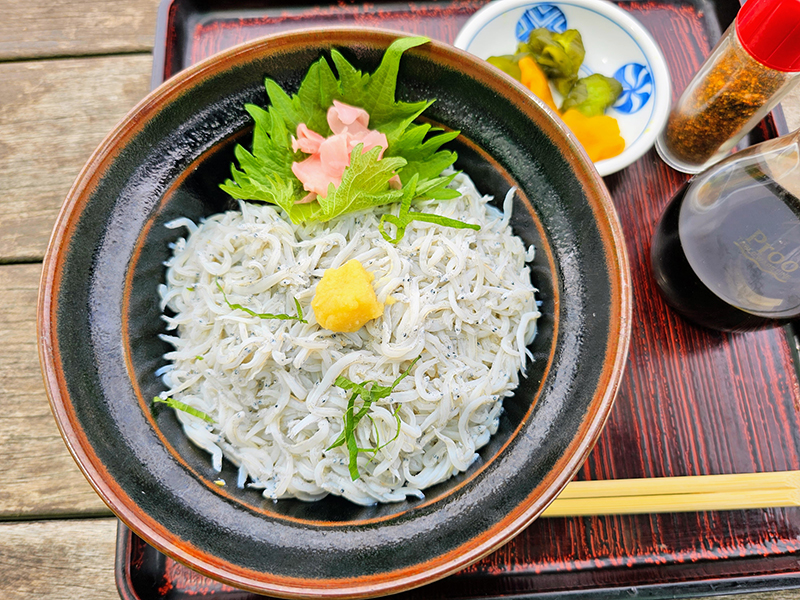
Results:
<point x="252" y="313"/>
<point x="369" y="395"/>
<point x="178" y="405"/>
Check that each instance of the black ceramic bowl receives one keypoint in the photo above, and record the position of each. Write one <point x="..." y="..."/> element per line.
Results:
<point x="99" y="324"/>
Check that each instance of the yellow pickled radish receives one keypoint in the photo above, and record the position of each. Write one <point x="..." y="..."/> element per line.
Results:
<point x="599" y="135"/>
<point x="533" y="78"/>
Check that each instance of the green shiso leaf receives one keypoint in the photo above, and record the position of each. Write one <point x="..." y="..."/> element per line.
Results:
<point x="375" y="93"/>
<point x="264" y="172"/>
<point x="365" y="184"/>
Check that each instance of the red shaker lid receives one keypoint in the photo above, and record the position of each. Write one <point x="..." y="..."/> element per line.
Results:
<point x="770" y="32"/>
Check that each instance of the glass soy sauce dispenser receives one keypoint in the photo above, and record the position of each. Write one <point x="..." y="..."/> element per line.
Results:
<point x="726" y="253"/>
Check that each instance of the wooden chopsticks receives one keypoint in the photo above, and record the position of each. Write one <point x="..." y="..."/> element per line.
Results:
<point x="677" y="494"/>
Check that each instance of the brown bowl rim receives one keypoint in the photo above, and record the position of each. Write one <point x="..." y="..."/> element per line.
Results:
<point x="375" y="584"/>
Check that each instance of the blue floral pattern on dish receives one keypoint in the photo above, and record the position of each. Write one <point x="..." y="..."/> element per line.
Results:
<point x="637" y="88"/>
<point x="541" y="15"/>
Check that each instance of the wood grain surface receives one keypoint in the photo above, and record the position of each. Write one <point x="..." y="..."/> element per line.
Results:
<point x="70" y="71"/>
<point x="53" y="114"/>
<point x="44" y="28"/>
<point x="58" y="560"/>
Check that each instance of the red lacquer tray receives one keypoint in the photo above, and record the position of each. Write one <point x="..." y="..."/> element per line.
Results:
<point x="692" y="402"/>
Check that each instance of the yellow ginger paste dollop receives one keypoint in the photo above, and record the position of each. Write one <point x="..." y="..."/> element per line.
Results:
<point x="345" y="299"/>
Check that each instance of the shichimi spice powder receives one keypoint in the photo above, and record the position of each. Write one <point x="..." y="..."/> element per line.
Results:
<point x="718" y="106"/>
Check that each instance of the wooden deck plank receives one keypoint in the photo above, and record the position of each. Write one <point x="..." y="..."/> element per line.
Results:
<point x="58" y="560"/>
<point x="53" y="114"/>
<point x="45" y="28"/>
<point x="43" y="479"/>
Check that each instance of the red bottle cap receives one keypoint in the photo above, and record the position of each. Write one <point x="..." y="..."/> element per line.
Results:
<point x="770" y="32"/>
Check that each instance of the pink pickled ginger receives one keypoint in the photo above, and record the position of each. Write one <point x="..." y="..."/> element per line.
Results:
<point x="330" y="156"/>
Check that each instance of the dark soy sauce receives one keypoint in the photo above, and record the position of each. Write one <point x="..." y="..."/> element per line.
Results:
<point x="726" y="253"/>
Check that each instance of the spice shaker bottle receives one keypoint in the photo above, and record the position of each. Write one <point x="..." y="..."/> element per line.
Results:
<point x="726" y="253"/>
<point x="753" y="66"/>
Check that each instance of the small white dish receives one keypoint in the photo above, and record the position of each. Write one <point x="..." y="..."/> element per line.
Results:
<point x="617" y="45"/>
